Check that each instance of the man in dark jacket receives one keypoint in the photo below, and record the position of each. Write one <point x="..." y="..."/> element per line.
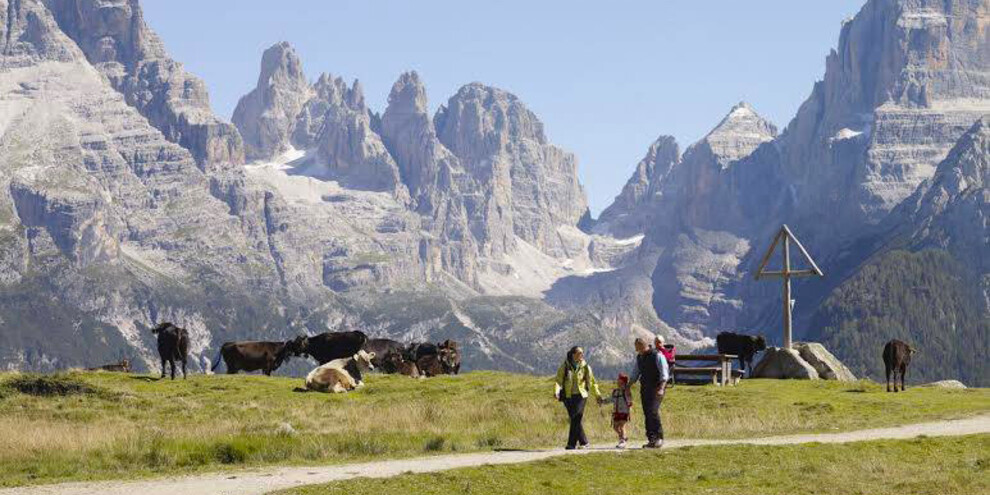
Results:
<point x="650" y="369"/>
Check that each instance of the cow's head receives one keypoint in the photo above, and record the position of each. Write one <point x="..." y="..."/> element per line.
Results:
<point x="363" y="360"/>
<point x="161" y="327"/>
<point x="393" y="360"/>
<point x="449" y="359"/>
<point x="760" y="343"/>
<point x="297" y="346"/>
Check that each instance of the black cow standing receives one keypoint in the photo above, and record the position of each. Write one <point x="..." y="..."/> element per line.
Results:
<point x="254" y="356"/>
<point x="383" y="348"/>
<point x="173" y="345"/>
<point x="896" y="358"/>
<point x="744" y="346"/>
<point x="326" y="347"/>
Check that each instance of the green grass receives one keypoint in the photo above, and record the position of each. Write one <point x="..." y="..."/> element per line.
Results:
<point x="920" y="466"/>
<point x="85" y="426"/>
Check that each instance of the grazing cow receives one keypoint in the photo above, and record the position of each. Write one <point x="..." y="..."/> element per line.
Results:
<point x="744" y="346"/>
<point x="383" y="348"/>
<point x="254" y="356"/>
<point x="329" y="346"/>
<point x="173" y="345"/>
<point x="396" y="362"/>
<point x="896" y="358"/>
<point x="340" y="375"/>
<point x="124" y="366"/>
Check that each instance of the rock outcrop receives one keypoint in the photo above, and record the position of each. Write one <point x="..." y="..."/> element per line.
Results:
<point x="266" y="115"/>
<point x="784" y="364"/>
<point x="117" y="41"/>
<point x="827" y="365"/>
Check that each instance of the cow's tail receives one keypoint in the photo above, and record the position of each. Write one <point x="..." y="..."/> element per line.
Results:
<point x="217" y="362"/>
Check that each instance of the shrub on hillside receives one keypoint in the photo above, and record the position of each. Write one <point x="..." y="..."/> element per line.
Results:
<point x="50" y="386"/>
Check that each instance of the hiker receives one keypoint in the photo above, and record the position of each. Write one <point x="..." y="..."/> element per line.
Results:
<point x="621" y="400"/>
<point x="650" y="369"/>
<point x="575" y="382"/>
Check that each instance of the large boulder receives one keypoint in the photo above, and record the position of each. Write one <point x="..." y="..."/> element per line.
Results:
<point x="826" y="364"/>
<point x="783" y="363"/>
<point x="951" y="384"/>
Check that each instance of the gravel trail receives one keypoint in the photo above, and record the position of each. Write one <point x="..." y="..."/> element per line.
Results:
<point x="264" y="480"/>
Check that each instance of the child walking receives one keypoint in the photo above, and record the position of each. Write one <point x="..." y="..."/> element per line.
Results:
<point x="621" y="400"/>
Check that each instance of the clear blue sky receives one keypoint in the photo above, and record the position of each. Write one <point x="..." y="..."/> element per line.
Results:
<point x="606" y="78"/>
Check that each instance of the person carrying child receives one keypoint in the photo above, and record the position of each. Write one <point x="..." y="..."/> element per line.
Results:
<point x="621" y="400"/>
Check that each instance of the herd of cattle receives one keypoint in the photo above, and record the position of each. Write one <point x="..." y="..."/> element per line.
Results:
<point x="343" y="356"/>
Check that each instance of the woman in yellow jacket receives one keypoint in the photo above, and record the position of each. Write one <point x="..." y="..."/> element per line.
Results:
<point x="575" y="382"/>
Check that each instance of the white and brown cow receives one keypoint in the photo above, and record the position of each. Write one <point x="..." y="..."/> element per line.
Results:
<point x="341" y="375"/>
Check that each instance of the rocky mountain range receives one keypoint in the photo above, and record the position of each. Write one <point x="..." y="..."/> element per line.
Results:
<point x="129" y="202"/>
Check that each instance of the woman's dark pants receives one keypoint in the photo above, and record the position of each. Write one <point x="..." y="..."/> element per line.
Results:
<point x="575" y="410"/>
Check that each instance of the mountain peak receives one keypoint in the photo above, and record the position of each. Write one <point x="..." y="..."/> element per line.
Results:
<point x="408" y="94"/>
<point x="265" y="115"/>
<point x="281" y="64"/>
<point x="739" y="134"/>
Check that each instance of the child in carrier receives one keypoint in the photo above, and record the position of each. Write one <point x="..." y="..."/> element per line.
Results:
<point x="621" y="400"/>
<point x="669" y="353"/>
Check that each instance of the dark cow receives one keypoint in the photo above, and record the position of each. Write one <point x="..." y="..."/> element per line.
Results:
<point x="124" y="366"/>
<point x="451" y="359"/>
<point x="173" y="345"/>
<point x="396" y="362"/>
<point x="744" y="346"/>
<point x="896" y="358"/>
<point x="382" y="348"/>
<point x="431" y="365"/>
<point x="326" y="347"/>
<point x="419" y="350"/>
<point x="254" y="356"/>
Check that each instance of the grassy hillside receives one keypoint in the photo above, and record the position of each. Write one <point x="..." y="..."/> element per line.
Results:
<point x="921" y="466"/>
<point x="102" y="425"/>
<point x="925" y="299"/>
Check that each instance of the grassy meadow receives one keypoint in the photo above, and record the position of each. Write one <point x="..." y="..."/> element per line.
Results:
<point x="83" y="426"/>
<point x="922" y="466"/>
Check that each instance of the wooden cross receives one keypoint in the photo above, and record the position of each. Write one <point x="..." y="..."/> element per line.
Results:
<point x="785" y="237"/>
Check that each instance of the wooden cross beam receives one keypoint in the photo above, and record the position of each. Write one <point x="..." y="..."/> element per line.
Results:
<point x="784" y="239"/>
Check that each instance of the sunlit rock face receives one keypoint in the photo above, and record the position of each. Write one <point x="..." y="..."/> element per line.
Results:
<point x="115" y="39"/>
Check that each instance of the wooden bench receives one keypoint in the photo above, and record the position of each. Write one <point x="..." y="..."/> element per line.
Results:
<point x="721" y="373"/>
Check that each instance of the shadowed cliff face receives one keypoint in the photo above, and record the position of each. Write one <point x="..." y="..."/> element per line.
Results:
<point x="906" y="82"/>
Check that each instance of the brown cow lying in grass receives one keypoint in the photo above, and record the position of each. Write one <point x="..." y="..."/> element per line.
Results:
<point x="124" y="366"/>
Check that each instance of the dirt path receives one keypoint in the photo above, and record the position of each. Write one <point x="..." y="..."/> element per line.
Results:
<point x="261" y="481"/>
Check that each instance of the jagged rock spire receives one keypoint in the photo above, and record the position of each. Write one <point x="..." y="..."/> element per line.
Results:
<point x="266" y="115"/>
